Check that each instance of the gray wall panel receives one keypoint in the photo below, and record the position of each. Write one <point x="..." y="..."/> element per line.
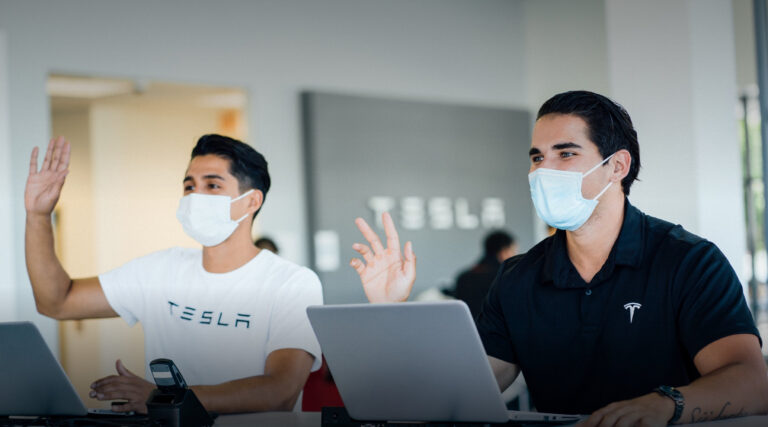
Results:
<point x="359" y="147"/>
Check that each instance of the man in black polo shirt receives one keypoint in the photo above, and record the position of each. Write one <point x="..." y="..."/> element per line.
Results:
<point x="617" y="306"/>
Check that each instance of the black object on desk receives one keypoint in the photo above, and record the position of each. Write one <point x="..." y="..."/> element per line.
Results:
<point x="172" y="403"/>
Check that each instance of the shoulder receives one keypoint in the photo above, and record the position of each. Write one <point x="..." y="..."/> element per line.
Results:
<point x="165" y="258"/>
<point x="282" y="272"/>
<point x="466" y="275"/>
<point x="182" y="254"/>
<point x="291" y="284"/>
<point x="511" y="264"/>
<point x="176" y="252"/>
<point x="686" y="258"/>
<point x="672" y="240"/>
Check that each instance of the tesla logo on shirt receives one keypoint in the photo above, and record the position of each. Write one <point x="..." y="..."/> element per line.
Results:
<point x="207" y="317"/>
<point x="632" y="306"/>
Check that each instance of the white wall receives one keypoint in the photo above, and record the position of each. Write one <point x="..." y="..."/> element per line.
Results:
<point x="674" y="72"/>
<point x="565" y="48"/>
<point x="744" y="40"/>
<point x="8" y="258"/>
<point x="465" y="51"/>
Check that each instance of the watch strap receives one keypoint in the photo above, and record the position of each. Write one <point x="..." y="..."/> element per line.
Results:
<point x="676" y="397"/>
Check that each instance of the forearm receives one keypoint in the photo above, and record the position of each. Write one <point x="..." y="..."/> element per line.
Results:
<point x="50" y="282"/>
<point x="734" y="390"/>
<point x="253" y="394"/>
<point x="504" y="372"/>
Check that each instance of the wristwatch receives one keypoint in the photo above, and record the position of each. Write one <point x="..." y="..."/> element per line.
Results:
<point x="676" y="397"/>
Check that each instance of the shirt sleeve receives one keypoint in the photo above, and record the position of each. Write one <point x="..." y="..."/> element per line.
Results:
<point x="124" y="286"/>
<point x="289" y="325"/>
<point x="491" y="324"/>
<point x="712" y="303"/>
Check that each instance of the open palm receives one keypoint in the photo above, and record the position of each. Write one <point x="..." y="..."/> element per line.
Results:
<point x="44" y="186"/>
<point x="387" y="276"/>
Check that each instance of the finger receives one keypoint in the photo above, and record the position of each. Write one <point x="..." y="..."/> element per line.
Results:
<point x="105" y="380"/>
<point x="108" y="387"/>
<point x="393" y="240"/>
<point x="33" y="161"/>
<point x="56" y="153"/>
<point x="114" y="395"/>
<point x="409" y="266"/>
<point x="48" y="155"/>
<point x="135" y="406"/>
<point x="628" y="420"/>
<point x="122" y="370"/>
<point x="123" y="407"/>
<point x="357" y="265"/>
<point x="370" y="236"/>
<point x="125" y="389"/>
<point x="365" y="251"/>
<point x="110" y="394"/>
<point x="592" y="421"/>
<point x="64" y="161"/>
<point x="612" y="416"/>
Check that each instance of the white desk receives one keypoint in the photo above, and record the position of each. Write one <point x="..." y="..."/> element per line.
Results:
<point x="312" y="419"/>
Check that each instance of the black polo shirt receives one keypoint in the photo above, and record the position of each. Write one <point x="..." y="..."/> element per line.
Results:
<point x="662" y="295"/>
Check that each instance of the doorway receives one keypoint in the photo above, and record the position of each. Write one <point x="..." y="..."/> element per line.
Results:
<point x="131" y="141"/>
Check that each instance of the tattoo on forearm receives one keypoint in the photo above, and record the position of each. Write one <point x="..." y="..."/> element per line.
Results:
<point x="698" y="415"/>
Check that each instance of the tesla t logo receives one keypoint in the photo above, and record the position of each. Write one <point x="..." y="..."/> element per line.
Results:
<point x="632" y="306"/>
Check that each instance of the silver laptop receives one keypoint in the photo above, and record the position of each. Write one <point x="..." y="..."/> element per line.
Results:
<point x="412" y="362"/>
<point x="31" y="380"/>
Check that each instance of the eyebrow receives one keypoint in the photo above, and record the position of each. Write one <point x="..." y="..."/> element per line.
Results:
<point x="189" y="178"/>
<point x="564" y="145"/>
<point x="560" y="146"/>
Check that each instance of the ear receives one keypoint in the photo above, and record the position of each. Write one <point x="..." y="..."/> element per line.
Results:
<point x="255" y="200"/>
<point x="621" y="161"/>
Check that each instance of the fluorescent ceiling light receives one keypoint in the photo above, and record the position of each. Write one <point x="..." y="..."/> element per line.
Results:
<point x="88" y="88"/>
<point x="226" y="100"/>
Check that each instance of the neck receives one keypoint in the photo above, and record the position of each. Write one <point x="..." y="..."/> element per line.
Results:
<point x="231" y="254"/>
<point x="590" y="245"/>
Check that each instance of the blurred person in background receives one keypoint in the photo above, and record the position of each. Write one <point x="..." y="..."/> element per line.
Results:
<point x="266" y="243"/>
<point x="472" y="285"/>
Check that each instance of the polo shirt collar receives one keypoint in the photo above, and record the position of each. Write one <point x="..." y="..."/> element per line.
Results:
<point x="628" y="250"/>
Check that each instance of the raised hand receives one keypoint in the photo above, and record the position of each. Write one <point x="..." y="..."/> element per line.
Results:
<point x="44" y="186"/>
<point x="386" y="275"/>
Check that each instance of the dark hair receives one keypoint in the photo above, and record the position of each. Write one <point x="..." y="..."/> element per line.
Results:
<point x="266" y="243"/>
<point x="496" y="241"/>
<point x="247" y="165"/>
<point x="609" y="124"/>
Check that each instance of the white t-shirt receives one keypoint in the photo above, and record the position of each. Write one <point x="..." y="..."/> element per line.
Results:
<point x="215" y="327"/>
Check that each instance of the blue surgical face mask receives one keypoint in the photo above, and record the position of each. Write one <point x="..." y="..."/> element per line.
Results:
<point x="557" y="197"/>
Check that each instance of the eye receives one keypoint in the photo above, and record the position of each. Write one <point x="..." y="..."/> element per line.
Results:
<point x="188" y="188"/>
<point x="213" y="186"/>
<point x="566" y="154"/>
<point x="537" y="158"/>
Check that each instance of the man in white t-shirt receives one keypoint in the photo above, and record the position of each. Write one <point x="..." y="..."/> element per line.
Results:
<point x="231" y="316"/>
